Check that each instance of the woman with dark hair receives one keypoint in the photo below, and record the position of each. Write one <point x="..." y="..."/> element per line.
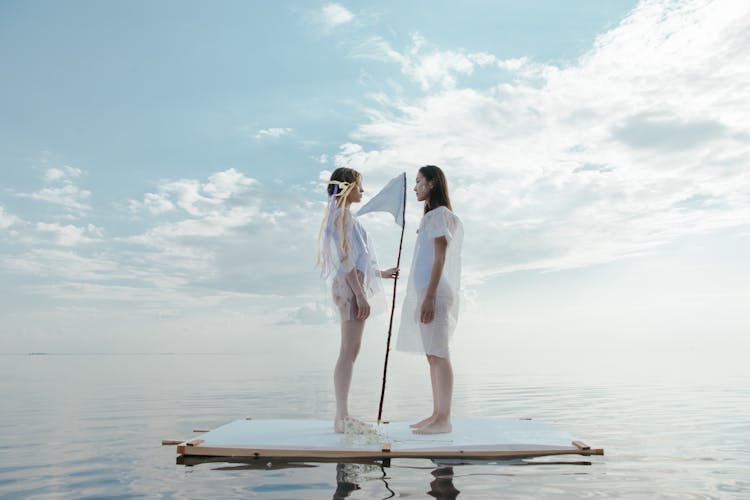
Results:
<point x="345" y="259"/>
<point x="430" y="309"/>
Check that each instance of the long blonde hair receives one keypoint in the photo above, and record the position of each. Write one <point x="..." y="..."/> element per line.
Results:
<point x="342" y="182"/>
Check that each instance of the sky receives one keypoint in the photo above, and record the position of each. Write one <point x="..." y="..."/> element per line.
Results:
<point x="162" y="167"/>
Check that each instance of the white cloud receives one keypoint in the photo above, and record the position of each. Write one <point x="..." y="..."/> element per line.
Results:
<point x="61" y="190"/>
<point x="272" y="133"/>
<point x="207" y="226"/>
<point x="430" y="67"/>
<point x="378" y="49"/>
<point x="7" y="219"/>
<point x="639" y="142"/>
<point x="64" y="264"/>
<point x="223" y="185"/>
<point x="69" y="235"/>
<point x="512" y="64"/>
<point x="231" y="232"/>
<point x="68" y="195"/>
<point x="193" y="196"/>
<point x="65" y="172"/>
<point x="224" y="241"/>
<point x="334" y="15"/>
<point x="156" y="203"/>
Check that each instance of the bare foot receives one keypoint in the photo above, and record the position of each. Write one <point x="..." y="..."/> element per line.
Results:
<point x="352" y="425"/>
<point x="338" y="425"/>
<point x="423" y="422"/>
<point x="437" y="426"/>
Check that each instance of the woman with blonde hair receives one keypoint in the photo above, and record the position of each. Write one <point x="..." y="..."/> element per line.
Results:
<point x="346" y="259"/>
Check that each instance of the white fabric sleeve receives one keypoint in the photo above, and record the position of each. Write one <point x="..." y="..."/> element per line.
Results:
<point x="440" y="222"/>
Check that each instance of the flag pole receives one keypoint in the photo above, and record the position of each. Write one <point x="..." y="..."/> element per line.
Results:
<point x="393" y="305"/>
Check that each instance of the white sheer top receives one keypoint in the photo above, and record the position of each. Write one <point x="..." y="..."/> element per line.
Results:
<point x="434" y="336"/>
<point x="357" y="253"/>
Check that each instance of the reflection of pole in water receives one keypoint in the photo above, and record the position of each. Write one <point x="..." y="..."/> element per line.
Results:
<point x="442" y="486"/>
<point x="348" y="477"/>
<point x="386" y="463"/>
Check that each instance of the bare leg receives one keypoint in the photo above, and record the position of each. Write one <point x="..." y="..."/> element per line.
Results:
<point x="351" y="340"/>
<point x="433" y="383"/>
<point x="443" y="394"/>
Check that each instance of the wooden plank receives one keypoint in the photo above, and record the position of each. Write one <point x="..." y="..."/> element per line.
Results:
<point x="201" y="430"/>
<point x="581" y="445"/>
<point x="194" y="442"/>
<point x="209" y="451"/>
<point x="167" y="442"/>
<point x="266" y="463"/>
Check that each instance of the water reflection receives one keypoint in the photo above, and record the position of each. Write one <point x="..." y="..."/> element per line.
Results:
<point x="442" y="486"/>
<point x="352" y="475"/>
<point x="672" y="433"/>
<point x="349" y="474"/>
<point x="346" y="482"/>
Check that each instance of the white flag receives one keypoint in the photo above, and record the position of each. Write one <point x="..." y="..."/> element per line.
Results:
<point x="391" y="199"/>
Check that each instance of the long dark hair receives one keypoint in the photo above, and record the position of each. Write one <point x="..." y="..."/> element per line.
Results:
<point x="439" y="192"/>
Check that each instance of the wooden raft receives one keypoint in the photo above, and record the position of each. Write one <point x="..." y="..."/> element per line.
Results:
<point x="476" y="438"/>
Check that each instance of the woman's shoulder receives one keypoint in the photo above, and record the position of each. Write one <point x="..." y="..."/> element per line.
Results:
<point x="442" y="212"/>
<point x="437" y="210"/>
<point x="439" y="220"/>
<point x="346" y="213"/>
<point x="346" y="221"/>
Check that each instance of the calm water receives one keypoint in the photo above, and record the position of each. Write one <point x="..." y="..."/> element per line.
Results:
<point x="77" y="426"/>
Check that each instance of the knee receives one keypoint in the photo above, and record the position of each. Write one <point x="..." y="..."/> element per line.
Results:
<point x="351" y="350"/>
<point x="436" y="360"/>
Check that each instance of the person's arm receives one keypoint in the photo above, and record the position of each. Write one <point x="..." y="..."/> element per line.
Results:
<point x="427" y="311"/>
<point x="363" y="307"/>
<point x="347" y="263"/>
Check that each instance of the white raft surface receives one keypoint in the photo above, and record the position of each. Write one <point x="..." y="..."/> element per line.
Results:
<point x="471" y="438"/>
